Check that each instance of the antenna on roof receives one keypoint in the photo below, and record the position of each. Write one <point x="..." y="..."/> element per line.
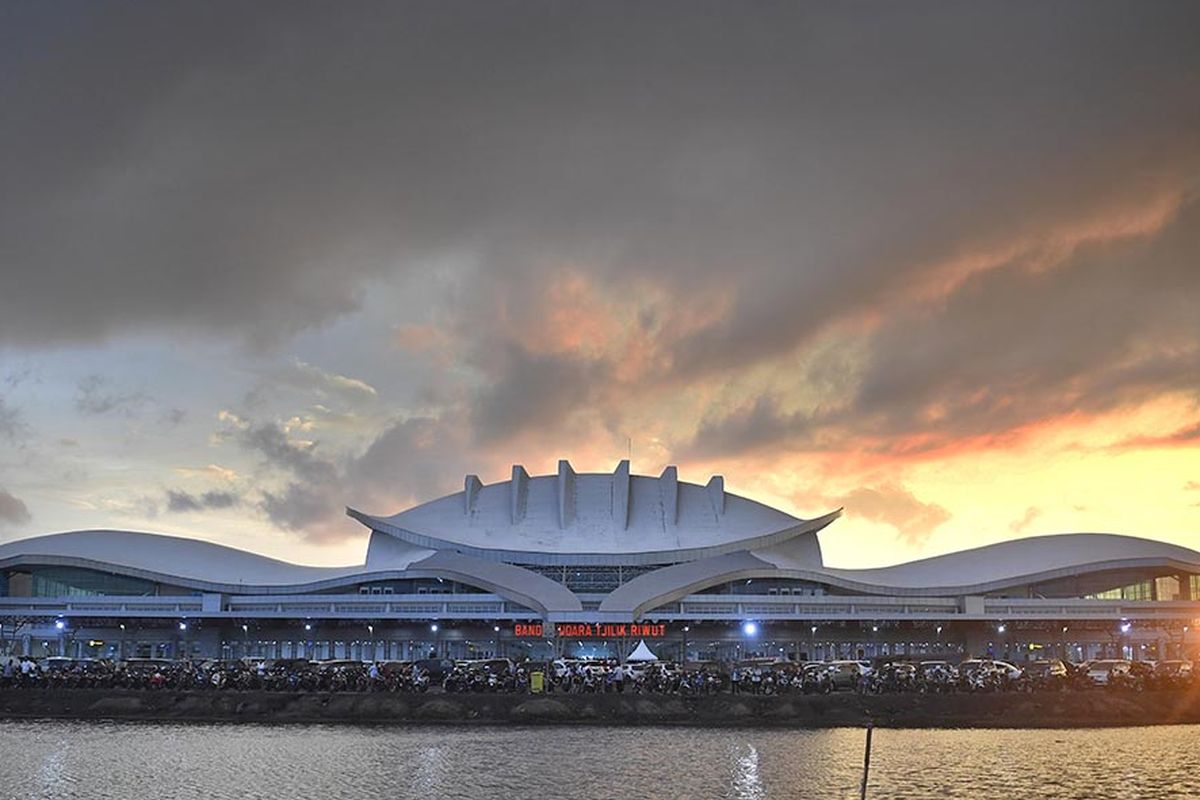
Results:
<point x="629" y="447"/>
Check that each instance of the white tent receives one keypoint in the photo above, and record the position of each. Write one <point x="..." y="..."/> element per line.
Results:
<point x="642" y="653"/>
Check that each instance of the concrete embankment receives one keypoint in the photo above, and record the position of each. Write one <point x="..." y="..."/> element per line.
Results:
<point x="1050" y="710"/>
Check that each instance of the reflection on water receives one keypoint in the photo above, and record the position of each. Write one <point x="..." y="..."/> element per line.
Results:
<point x="131" y="761"/>
<point x="746" y="783"/>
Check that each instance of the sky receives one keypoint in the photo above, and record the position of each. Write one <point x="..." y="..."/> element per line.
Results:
<point x="935" y="263"/>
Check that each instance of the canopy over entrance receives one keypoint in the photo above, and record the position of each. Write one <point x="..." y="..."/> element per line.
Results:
<point x="642" y="653"/>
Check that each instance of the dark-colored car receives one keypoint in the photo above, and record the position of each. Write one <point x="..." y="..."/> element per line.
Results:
<point x="436" y="668"/>
<point x="1050" y="673"/>
<point x="1173" y="674"/>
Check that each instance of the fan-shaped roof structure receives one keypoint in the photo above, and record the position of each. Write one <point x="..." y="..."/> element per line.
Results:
<point x="596" y="518"/>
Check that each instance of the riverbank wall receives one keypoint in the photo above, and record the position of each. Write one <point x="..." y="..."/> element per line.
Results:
<point x="1009" y="710"/>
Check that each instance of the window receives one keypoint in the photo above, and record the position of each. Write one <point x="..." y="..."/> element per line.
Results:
<point x="1134" y="591"/>
<point x="76" y="582"/>
<point x="1167" y="588"/>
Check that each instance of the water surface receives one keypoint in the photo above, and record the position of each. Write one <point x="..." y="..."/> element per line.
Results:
<point x="131" y="761"/>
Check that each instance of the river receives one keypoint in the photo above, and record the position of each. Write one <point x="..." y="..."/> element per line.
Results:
<point x="131" y="761"/>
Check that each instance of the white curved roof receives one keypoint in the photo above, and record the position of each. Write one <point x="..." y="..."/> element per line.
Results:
<point x="165" y="558"/>
<point x="597" y="517"/>
<point x="1016" y="560"/>
<point x="969" y="572"/>
<point x="196" y="564"/>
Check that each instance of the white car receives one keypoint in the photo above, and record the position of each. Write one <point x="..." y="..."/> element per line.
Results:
<point x="1102" y="672"/>
<point x="846" y="674"/>
<point x="562" y="666"/>
<point x="1011" y="671"/>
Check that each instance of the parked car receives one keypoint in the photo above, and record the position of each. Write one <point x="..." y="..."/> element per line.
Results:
<point x="926" y="668"/>
<point x="848" y="673"/>
<point x="1101" y="673"/>
<point x="1139" y="678"/>
<point x="435" y="668"/>
<point x="1050" y="673"/>
<point x="1173" y="674"/>
<point x="492" y="665"/>
<point x="818" y="677"/>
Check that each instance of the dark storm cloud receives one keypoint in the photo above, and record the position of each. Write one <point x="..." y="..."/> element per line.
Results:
<point x="532" y="389"/>
<point x="409" y="460"/>
<point x="247" y="167"/>
<point x="13" y="510"/>
<point x="1112" y="325"/>
<point x="179" y="501"/>
<point x="301" y="458"/>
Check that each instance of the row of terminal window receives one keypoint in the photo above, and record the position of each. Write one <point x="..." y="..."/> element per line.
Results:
<point x="389" y="590"/>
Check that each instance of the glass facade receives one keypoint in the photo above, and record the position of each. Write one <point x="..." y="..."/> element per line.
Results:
<point x="75" y="582"/>
<point x="1143" y="590"/>
<point x="1167" y="588"/>
<point x="769" y="586"/>
<point x="413" y="586"/>
<point x="592" y="580"/>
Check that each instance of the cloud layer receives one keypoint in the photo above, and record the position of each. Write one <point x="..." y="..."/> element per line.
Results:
<point x="379" y="247"/>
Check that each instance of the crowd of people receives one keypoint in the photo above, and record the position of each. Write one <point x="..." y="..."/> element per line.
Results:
<point x="583" y="677"/>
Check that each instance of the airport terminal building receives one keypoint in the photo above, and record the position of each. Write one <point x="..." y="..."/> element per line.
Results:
<point x="589" y="564"/>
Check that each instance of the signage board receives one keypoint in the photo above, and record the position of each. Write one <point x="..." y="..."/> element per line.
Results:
<point x="593" y="630"/>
